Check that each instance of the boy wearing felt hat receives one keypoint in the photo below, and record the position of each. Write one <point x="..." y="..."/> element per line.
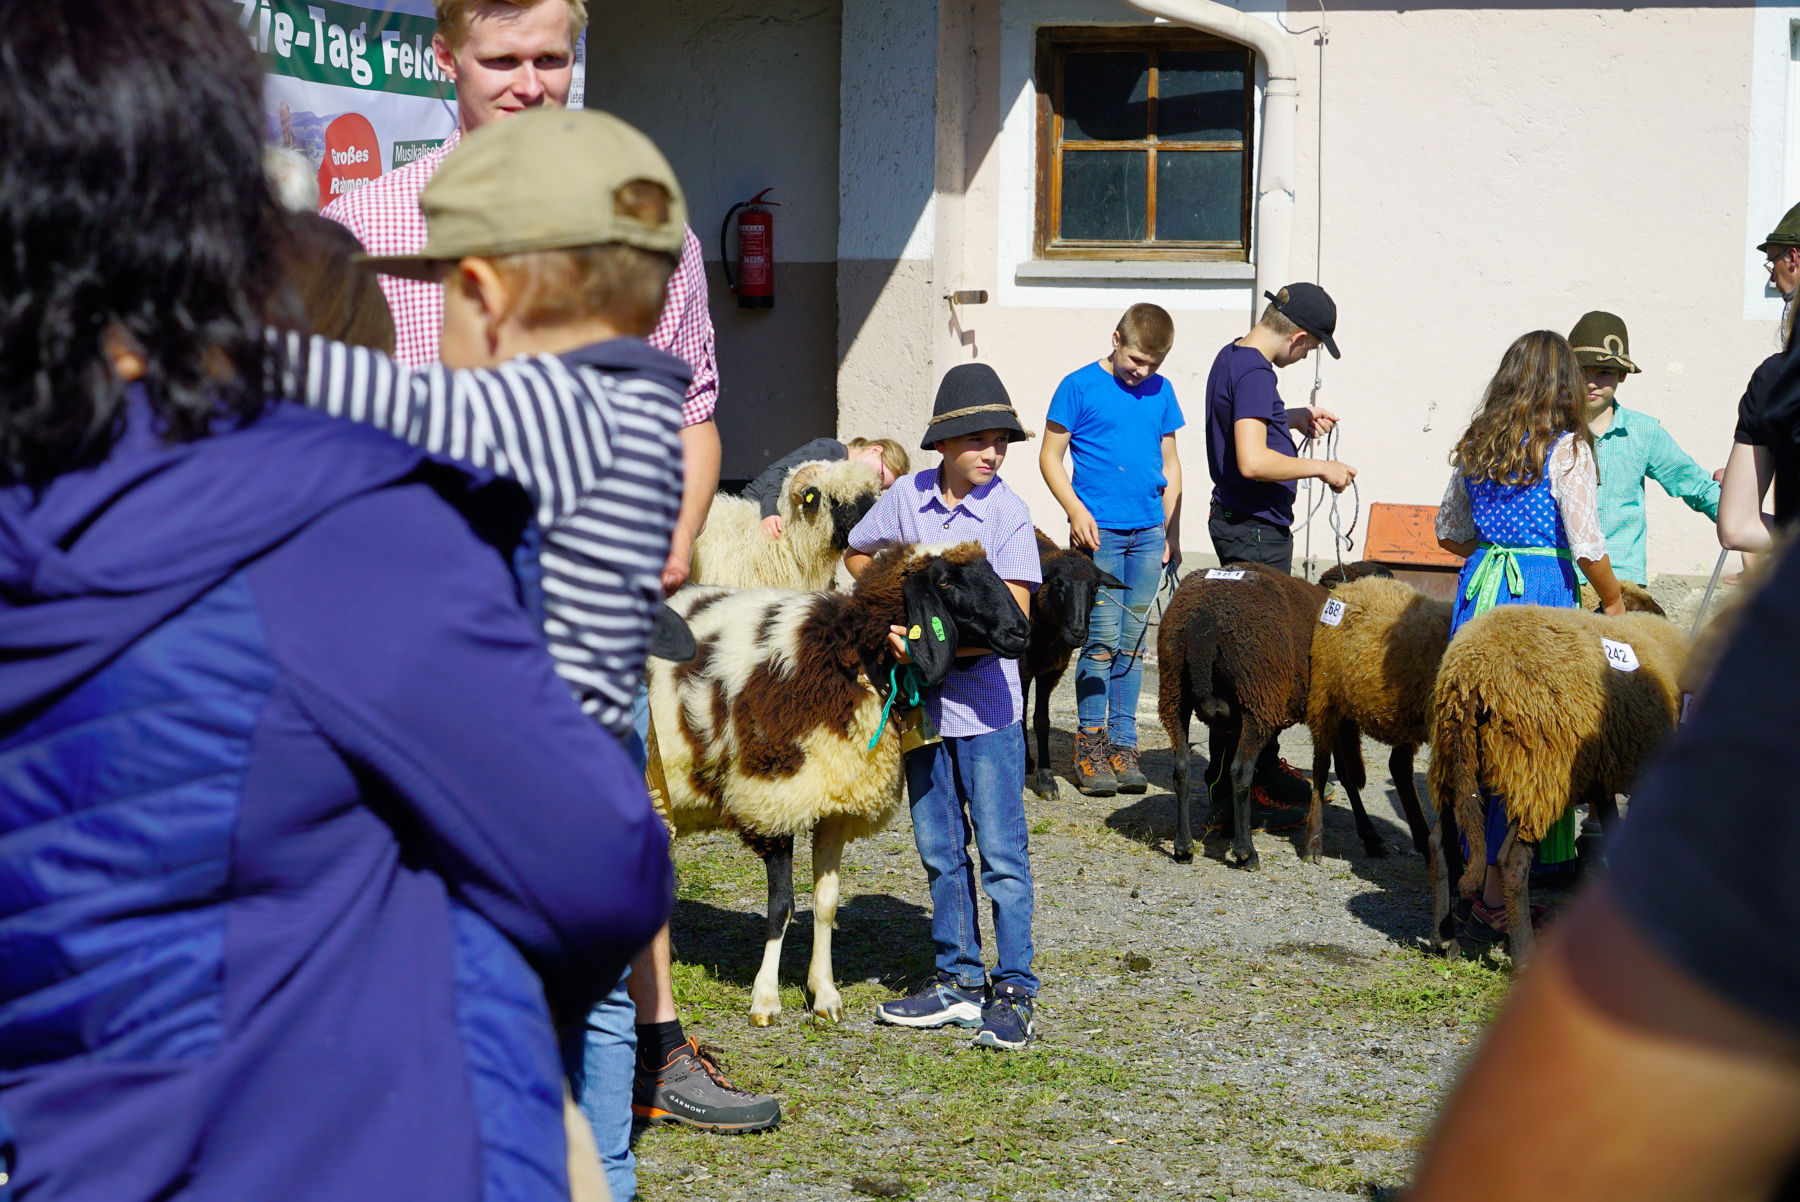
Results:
<point x="1630" y="447"/>
<point x="975" y="776"/>
<point x="1255" y="468"/>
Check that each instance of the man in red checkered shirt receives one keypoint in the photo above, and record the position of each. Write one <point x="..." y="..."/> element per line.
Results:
<point x="507" y="56"/>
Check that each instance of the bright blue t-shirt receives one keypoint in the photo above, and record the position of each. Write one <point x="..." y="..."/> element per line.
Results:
<point x="1115" y="438"/>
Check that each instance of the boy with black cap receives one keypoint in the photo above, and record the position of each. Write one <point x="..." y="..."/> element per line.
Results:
<point x="1630" y="447"/>
<point x="1255" y="467"/>
<point x="975" y="775"/>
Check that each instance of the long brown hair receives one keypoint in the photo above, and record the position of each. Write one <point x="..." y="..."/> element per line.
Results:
<point x="1538" y="394"/>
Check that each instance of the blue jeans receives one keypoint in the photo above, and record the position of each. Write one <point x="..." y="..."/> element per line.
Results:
<point x="600" y="1058"/>
<point x="978" y="781"/>
<point x="1110" y="673"/>
<point x="602" y="1062"/>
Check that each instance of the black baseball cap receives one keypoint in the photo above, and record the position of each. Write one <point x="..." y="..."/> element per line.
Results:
<point x="1311" y="308"/>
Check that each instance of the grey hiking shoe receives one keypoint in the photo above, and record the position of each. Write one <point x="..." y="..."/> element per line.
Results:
<point x="691" y="1091"/>
<point x="938" y="1005"/>
<point x="1124" y="763"/>
<point x="1093" y="776"/>
<point x="1006" y="1021"/>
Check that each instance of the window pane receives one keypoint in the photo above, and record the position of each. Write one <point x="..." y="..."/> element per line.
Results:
<point x="1106" y="97"/>
<point x="1201" y="96"/>
<point x="1200" y="195"/>
<point x="1103" y="194"/>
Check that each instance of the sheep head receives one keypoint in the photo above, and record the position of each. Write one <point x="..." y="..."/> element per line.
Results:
<point x="945" y="597"/>
<point x="1072" y="584"/>
<point x="832" y="495"/>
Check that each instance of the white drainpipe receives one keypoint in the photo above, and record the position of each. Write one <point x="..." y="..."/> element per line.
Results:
<point x="1281" y="105"/>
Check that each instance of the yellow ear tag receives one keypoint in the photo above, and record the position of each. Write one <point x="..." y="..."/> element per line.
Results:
<point x="809" y="496"/>
<point x="915" y="633"/>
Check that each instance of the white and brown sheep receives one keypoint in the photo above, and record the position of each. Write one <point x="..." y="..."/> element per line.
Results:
<point x="1235" y="647"/>
<point x="1059" y="628"/>
<point x="767" y="730"/>
<point x="820" y="504"/>
<point x="1546" y="708"/>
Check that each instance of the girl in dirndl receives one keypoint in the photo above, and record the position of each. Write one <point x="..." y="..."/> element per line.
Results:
<point x="1521" y="508"/>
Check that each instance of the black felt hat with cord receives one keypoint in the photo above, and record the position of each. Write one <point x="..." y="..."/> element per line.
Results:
<point x="971" y="398"/>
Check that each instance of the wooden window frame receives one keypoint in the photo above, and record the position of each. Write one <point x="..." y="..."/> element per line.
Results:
<point x="1053" y="42"/>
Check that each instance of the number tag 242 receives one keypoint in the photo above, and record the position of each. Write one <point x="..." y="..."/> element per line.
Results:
<point x="1620" y="655"/>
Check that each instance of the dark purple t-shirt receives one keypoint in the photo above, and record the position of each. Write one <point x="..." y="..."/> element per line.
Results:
<point x="1242" y="384"/>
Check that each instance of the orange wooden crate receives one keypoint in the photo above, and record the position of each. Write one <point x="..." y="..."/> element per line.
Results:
<point x="1406" y="534"/>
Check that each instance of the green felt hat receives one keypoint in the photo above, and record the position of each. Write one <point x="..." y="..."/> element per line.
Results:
<point x="1600" y="340"/>
<point x="1787" y="233"/>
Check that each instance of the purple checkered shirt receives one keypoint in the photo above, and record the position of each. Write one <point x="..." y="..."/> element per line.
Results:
<point x="986" y="696"/>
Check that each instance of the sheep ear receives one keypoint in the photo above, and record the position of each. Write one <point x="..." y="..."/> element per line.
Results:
<point x="809" y="499"/>
<point x="930" y="630"/>
<point x="1108" y="580"/>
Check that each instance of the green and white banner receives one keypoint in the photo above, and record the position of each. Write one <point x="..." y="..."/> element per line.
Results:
<point x="355" y="88"/>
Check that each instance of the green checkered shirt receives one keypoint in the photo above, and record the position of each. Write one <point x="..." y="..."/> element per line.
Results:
<point x="1634" y="447"/>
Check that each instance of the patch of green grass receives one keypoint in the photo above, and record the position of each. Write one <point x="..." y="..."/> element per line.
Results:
<point x="1416" y="988"/>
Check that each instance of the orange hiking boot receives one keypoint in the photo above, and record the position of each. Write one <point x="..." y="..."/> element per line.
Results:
<point x="1093" y="775"/>
<point x="1124" y="764"/>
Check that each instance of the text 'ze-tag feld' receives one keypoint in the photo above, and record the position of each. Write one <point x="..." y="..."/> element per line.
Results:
<point x="1620" y="655"/>
<point x="1333" y="613"/>
<point x="1222" y="574"/>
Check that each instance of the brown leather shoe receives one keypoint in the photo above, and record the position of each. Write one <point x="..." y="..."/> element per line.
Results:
<point x="1124" y="764"/>
<point x="1093" y="776"/>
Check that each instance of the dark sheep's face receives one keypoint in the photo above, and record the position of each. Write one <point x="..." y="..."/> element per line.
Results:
<point x="1069" y="594"/>
<point x="846" y="514"/>
<point x="981" y="605"/>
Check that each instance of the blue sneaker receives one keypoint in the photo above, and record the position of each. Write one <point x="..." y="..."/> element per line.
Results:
<point x="1006" y="1021"/>
<point x="939" y="1005"/>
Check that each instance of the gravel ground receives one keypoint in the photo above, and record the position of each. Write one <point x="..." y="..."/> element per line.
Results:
<point x="1204" y="1032"/>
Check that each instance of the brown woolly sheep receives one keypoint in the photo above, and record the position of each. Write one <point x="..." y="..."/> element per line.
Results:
<point x="1235" y="647"/>
<point x="767" y="730"/>
<point x="1059" y="628"/>
<point x="1372" y="673"/>
<point x="821" y="502"/>
<point x="1547" y="708"/>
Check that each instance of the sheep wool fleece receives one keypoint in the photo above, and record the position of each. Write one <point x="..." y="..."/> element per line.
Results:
<point x="1511" y="519"/>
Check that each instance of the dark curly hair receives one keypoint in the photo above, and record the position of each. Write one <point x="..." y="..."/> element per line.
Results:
<point x="132" y="206"/>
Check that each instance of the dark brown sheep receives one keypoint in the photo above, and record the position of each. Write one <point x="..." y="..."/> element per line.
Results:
<point x="1059" y="628"/>
<point x="1235" y="647"/>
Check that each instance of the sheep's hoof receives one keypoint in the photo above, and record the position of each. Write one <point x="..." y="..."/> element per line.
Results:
<point x="833" y="1013"/>
<point x="1183" y="855"/>
<point x="762" y="1020"/>
<point x="1376" y="849"/>
<point x="1311" y="856"/>
<point x="1249" y="863"/>
<point x="1043" y="783"/>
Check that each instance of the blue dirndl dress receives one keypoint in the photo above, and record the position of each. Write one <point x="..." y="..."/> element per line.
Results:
<point x="1523" y="559"/>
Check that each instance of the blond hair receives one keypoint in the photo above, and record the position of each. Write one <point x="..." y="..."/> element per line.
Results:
<point x="1148" y="328"/>
<point x="893" y="455"/>
<point x="453" y="18"/>
<point x="620" y="283"/>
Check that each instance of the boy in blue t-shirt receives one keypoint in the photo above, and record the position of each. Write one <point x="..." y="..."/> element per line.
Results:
<point x="1118" y="419"/>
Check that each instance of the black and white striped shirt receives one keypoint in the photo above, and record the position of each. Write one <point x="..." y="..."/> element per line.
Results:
<point x="594" y="435"/>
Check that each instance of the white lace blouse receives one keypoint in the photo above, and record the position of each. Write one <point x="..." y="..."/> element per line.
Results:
<point x="1574" y="485"/>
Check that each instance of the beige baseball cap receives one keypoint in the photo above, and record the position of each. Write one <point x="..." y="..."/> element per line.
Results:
<point x="542" y="180"/>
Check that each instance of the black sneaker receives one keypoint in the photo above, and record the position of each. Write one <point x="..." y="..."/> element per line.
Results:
<point x="1006" y="1020"/>
<point x="691" y="1091"/>
<point x="1285" y="786"/>
<point x="1265" y="815"/>
<point x="939" y="1005"/>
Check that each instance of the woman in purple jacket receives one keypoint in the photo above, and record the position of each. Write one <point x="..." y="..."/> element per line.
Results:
<point x="298" y="827"/>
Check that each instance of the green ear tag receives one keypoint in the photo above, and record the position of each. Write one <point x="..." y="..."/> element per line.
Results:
<point x="937" y="627"/>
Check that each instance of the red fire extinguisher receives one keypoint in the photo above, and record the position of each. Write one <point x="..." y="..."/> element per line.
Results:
<point x="755" y="283"/>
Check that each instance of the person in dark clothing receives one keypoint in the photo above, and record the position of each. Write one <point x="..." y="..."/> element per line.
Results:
<point x="283" y="917"/>
<point x="1766" y="445"/>
<point x="886" y="456"/>
<point x="1651" y="1051"/>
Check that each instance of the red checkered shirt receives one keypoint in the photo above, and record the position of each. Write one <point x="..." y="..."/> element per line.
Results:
<point x="384" y="215"/>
